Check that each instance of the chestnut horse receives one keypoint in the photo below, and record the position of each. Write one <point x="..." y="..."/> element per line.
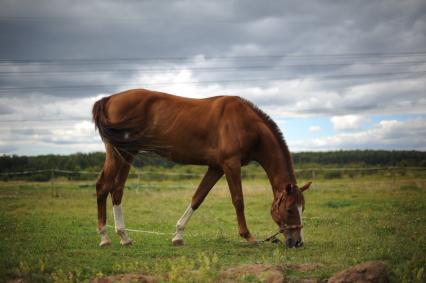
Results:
<point x="222" y="132"/>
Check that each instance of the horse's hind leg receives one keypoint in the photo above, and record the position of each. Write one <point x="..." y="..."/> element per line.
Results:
<point x="116" y="196"/>
<point x="209" y="180"/>
<point x="113" y="177"/>
<point x="102" y="195"/>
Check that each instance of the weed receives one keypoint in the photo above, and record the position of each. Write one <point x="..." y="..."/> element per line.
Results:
<point x="203" y="268"/>
<point x="414" y="271"/>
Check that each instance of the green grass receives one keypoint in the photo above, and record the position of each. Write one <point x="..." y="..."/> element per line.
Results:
<point x="347" y="221"/>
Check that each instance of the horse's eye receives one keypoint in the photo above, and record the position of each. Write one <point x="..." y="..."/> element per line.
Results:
<point x="288" y="211"/>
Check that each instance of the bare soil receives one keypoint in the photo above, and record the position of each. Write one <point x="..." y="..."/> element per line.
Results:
<point x="372" y="271"/>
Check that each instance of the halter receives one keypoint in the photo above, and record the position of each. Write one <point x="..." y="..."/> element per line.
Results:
<point x="283" y="227"/>
<point x="273" y="238"/>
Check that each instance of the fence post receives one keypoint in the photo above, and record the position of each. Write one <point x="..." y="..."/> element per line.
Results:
<point x="139" y="180"/>
<point x="52" y="176"/>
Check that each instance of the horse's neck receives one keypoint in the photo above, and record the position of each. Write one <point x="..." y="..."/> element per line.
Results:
<point x="275" y="162"/>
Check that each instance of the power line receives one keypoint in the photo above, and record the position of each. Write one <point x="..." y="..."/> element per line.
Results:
<point x="319" y="78"/>
<point x="121" y="19"/>
<point x="217" y="69"/>
<point x="242" y="57"/>
<point x="48" y="120"/>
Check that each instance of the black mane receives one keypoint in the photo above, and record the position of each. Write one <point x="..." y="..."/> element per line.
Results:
<point x="278" y="135"/>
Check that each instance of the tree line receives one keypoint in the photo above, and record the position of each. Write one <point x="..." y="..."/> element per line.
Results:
<point x="94" y="161"/>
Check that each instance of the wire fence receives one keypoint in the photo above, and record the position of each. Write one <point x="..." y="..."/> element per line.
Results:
<point x="150" y="179"/>
<point x="59" y="181"/>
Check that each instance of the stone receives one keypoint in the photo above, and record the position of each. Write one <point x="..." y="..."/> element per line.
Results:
<point x="371" y="271"/>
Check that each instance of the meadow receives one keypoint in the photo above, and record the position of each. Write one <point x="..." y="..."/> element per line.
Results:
<point x="48" y="230"/>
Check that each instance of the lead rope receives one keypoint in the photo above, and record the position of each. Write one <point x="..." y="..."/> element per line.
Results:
<point x="144" y="231"/>
<point x="273" y="238"/>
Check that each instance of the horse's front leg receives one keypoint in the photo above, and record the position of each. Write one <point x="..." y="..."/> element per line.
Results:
<point x="209" y="180"/>
<point x="232" y="169"/>
<point x="119" y="218"/>
<point x="117" y="195"/>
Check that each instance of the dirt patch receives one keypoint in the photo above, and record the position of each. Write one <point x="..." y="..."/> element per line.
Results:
<point x="132" y="277"/>
<point x="242" y="273"/>
<point x="303" y="267"/>
<point x="371" y="271"/>
<point x="253" y="272"/>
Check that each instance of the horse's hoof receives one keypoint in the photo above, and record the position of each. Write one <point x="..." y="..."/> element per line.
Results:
<point x="104" y="243"/>
<point x="252" y="241"/>
<point x="128" y="242"/>
<point x="178" y="242"/>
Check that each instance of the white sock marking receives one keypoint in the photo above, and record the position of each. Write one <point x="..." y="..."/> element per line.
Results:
<point x="180" y="225"/>
<point x="119" y="225"/>
<point x="118" y="217"/>
<point x="104" y="237"/>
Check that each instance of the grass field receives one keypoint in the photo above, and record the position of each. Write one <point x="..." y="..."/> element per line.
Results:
<point x="347" y="221"/>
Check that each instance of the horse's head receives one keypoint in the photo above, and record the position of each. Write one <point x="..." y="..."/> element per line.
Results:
<point x="287" y="210"/>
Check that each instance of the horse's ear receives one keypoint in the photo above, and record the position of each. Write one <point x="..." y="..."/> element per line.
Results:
<point x="288" y="188"/>
<point x="305" y="186"/>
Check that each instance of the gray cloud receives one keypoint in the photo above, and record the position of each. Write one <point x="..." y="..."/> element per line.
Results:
<point x="103" y="29"/>
<point x="4" y="109"/>
<point x="57" y="56"/>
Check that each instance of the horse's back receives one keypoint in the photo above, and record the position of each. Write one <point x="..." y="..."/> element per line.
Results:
<point x="136" y="102"/>
<point x="189" y="130"/>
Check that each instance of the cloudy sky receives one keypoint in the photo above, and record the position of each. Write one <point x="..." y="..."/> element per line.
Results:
<point x="332" y="74"/>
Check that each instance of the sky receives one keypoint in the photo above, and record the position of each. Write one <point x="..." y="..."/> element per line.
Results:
<point x="334" y="75"/>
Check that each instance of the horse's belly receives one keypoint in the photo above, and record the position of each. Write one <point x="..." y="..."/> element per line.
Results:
<point x="190" y="156"/>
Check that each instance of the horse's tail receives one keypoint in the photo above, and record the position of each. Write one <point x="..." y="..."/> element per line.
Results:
<point x="99" y="115"/>
<point x="126" y="136"/>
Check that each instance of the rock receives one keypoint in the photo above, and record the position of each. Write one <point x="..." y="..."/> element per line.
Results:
<point x="371" y="271"/>
<point x="132" y="277"/>
<point x="262" y="272"/>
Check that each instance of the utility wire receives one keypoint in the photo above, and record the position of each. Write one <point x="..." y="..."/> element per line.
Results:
<point x="214" y="69"/>
<point x="47" y="120"/>
<point x="304" y="78"/>
<point x="192" y="58"/>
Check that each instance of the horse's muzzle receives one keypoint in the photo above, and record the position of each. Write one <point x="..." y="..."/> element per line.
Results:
<point x="290" y="243"/>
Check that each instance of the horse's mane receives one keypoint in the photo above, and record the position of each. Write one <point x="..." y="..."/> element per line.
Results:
<point x="278" y="135"/>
